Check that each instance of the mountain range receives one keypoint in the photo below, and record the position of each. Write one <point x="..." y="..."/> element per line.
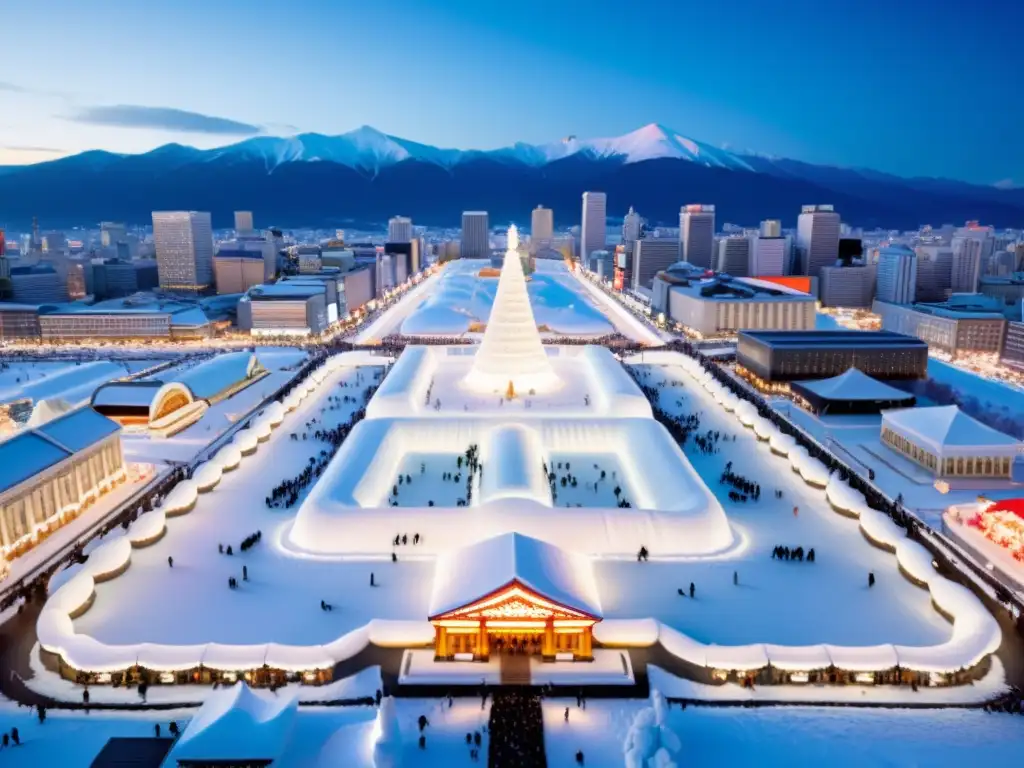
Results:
<point x="363" y="177"/>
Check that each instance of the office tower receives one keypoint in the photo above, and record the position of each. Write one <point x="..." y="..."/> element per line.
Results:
<point x="400" y="229"/>
<point x="734" y="255"/>
<point x="632" y="227"/>
<point x="54" y="242"/>
<point x="768" y="256"/>
<point x="966" y="267"/>
<point x="897" y="275"/>
<point x="1001" y="264"/>
<point x="817" y="238"/>
<point x="184" y="249"/>
<point x="771" y="228"/>
<point x="243" y="222"/>
<point x="651" y="255"/>
<point x="934" y="272"/>
<point x="475" y="235"/>
<point x="846" y="286"/>
<point x="112" y="233"/>
<point x="38" y="284"/>
<point x="542" y="225"/>
<point x="697" y="234"/>
<point x="593" y="229"/>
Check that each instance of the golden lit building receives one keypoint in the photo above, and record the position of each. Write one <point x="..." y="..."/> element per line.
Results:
<point x="51" y="472"/>
<point x="514" y="592"/>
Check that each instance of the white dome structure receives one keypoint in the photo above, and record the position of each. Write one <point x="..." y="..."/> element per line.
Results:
<point x="511" y="351"/>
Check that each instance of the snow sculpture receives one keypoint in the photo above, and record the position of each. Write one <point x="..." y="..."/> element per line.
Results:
<point x="511" y="356"/>
<point x="651" y="742"/>
<point x="387" y="749"/>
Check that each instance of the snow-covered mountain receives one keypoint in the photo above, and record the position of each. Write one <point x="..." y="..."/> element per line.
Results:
<point x="368" y="149"/>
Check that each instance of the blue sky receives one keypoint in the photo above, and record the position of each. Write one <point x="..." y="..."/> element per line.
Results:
<point x="904" y="86"/>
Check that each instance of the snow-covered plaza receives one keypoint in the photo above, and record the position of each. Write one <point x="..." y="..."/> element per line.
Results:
<point x="515" y="513"/>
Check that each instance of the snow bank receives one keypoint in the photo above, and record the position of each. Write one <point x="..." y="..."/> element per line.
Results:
<point x="275" y="413"/>
<point x="228" y="457"/>
<point x="781" y="443"/>
<point x="811" y="470"/>
<point x="388" y="747"/>
<point x="110" y="558"/>
<point x="246" y="441"/>
<point x="207" y="476"/>
<point x="181" y="499"/>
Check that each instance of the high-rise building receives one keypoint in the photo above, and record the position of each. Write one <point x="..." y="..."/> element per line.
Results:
<point x="400" y="229"/>
<point x="651" y="255"/>
<point x="734" y="255"/>
<point x="846" y="286"/>
<point x="897" y="275"/>
<point x="243" y="222"/>
<point x="966" y="266"/>
<point x="768" y="256"/>
<point x="112" y="233"/>
<point x="476" y="235"/>
<point x="697" y="234"/>
<point x="771" y="228"/>
<point x="632" y="226"/>
<point x="934" y="272"/>
<point x="54" y="242"/>
<point x="184" y="249"/>
<point x="542" y="225"/>
<point x="817" y="238"/>
<point x="593" y="228"/>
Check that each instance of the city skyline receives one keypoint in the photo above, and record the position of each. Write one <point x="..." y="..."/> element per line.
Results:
<point x="874" y="100"/>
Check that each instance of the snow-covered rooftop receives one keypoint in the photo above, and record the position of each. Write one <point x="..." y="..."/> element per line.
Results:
<point x="237" y="725"/>
<point x="210" y="378"/>
<point x="34" y="450"/>
<point x="471" y="573"/>
<point x="945" y="425"/>
<point x="854" y="384"/>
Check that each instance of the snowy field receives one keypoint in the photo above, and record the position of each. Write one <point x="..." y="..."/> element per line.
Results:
<point x="783" y="602"/>
<point x="461" y="298"/>
<point x="281" y="600"/>
<point x="66" y="379"/>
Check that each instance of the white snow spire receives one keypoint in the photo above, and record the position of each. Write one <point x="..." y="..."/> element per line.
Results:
<point x="511" y="356"/>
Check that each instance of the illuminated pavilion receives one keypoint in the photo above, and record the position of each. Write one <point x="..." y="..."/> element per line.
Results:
<point x="514" y="590"/>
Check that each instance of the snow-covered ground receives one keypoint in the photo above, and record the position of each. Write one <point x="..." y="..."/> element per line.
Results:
<point x="281" y="600"/>
<point x="789" y="736"/>
<point x="783" y="602"/>
<point x="461" y="298"/>
<point x="65" y="379"/>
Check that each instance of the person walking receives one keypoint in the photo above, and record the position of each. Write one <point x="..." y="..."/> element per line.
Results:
<point x="567" y="714"/>
<point x="735" y="578"/>
<point x="372" y="582"/>
<point x="693" y="589"/>
<point x="245" y="573"/>
<point x="871" y="579"/>
<point x="170" y="561"/>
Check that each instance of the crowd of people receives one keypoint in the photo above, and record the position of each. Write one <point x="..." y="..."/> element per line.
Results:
<point x="516" y="730"/>
<point x="792" y="553"/>
<point x="286" y="493"/>
<point x="743" y="488"/>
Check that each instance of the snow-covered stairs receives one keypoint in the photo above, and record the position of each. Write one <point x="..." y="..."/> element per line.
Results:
<point x="515" y="669"/>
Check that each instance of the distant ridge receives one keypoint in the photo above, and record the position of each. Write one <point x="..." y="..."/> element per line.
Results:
<point x="365" y="176"/>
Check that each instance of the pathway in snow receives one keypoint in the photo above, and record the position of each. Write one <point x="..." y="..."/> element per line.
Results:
<point x="782" y="602"/>
<point x="191" y="602"/>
